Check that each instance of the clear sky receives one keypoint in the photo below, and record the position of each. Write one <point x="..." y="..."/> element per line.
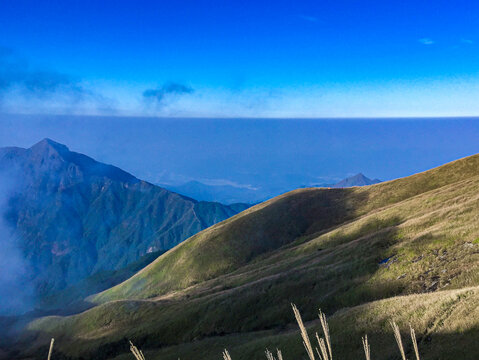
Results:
<point x="276" y="58"/>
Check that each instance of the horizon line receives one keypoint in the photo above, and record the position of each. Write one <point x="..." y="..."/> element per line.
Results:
<point x="441" y="117"/>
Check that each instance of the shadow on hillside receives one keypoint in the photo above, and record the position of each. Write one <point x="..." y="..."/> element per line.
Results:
<point x="347" y="345"/>
<point x="334" y="275"/>
<point x="288" y="218"/>
<point x="248" y="346"/>
<point x="442" y="345"/>
<point x="383" y="347"/>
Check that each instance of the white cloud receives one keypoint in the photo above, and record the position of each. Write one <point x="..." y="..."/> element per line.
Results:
<point x="226" y="182"/>
<point x="467" y="41"/>
<point x="308" y="18"/>
<point x="455" y="96"/>
<point x="426" y="41"/>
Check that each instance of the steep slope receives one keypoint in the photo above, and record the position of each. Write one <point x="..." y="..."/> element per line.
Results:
<point x="74" y="217"/>
<point x="338" y="249"/>
<point x="275" y="223"/>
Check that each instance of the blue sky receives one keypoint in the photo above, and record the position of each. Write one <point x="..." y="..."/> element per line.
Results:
<point x="240" y="58"/>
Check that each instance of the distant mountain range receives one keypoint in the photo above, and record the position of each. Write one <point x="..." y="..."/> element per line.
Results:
<point x="234" y="194"/>
<point x="74" y="217"/>
<point x="226" y="194"/>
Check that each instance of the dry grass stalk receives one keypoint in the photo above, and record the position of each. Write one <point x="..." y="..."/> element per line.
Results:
<point x="136" y="352"/>
<point x="304" y="333"/>
<point x="325" y="326"/>
<point x="280" y="355"/>
<point x="51" y="349"/>
<point x="397" y="335"/>
<point x="322" y="347"/>
<point x="367" y="348"/>
<point x="317" y="350"/>
<point x="226" y="355"/>
<point x="269" y="355"/>
<point x="414" y="342"/>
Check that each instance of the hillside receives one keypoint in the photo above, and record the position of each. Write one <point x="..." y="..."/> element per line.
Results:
<point x="73" y="217"/>
<point x="354" y="252"/>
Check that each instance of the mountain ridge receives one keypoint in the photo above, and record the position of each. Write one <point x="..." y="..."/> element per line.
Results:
<point x="74" y="216"/>
<point x="233" y="194"/>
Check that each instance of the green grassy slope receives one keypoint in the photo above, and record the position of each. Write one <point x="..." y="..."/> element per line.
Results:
<point x="72" y="298"/>
<point x="338" y="249"/>
<point x="268" y="226"/>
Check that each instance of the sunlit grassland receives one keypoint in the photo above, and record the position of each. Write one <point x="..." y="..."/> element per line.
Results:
<point x="405" y="250"/>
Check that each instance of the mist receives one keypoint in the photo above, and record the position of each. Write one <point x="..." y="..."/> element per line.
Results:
<point x="16" y="292"/>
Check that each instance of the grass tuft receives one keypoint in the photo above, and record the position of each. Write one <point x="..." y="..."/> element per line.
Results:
<point x="414" y="342"/>
<point x="226" y="355"/>
<point x="324" y="325"/>
<point x="304" y="333"/>
<point x="51" y="349"/>
<point x="136" y="352"/>
<point x="269" y="355"/>
<point x="280" y="355"/>
<point x="367" y="348"/>
<point x="397" y="335"/>
<point x="322" y="347"/>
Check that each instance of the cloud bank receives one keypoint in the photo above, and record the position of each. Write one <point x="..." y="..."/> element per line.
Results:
<point x="22" y="86"/>
<point x="161" y="95"/>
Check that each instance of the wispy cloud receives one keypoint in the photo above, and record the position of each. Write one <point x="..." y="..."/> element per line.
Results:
<point x="173" y="179"/>
<point x="17" y="74"/>
<point x="308" y="18"/>
<point x="161" y="95"/>
<point x="426" y="41"/>
<point x="226" y="182"/>
<point x="467" y="41"/>
<point x="23" y="85"/>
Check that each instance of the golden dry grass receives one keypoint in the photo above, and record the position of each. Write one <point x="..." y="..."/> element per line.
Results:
<point x="226" y="355"/>
<point x="414" y="342"/>
<point x="137" y="353"/>
<point x="397" y="335"/>
<point x="367" y="347"/>
<point x="325" y="352"/>
<point x="50" y="349"/>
